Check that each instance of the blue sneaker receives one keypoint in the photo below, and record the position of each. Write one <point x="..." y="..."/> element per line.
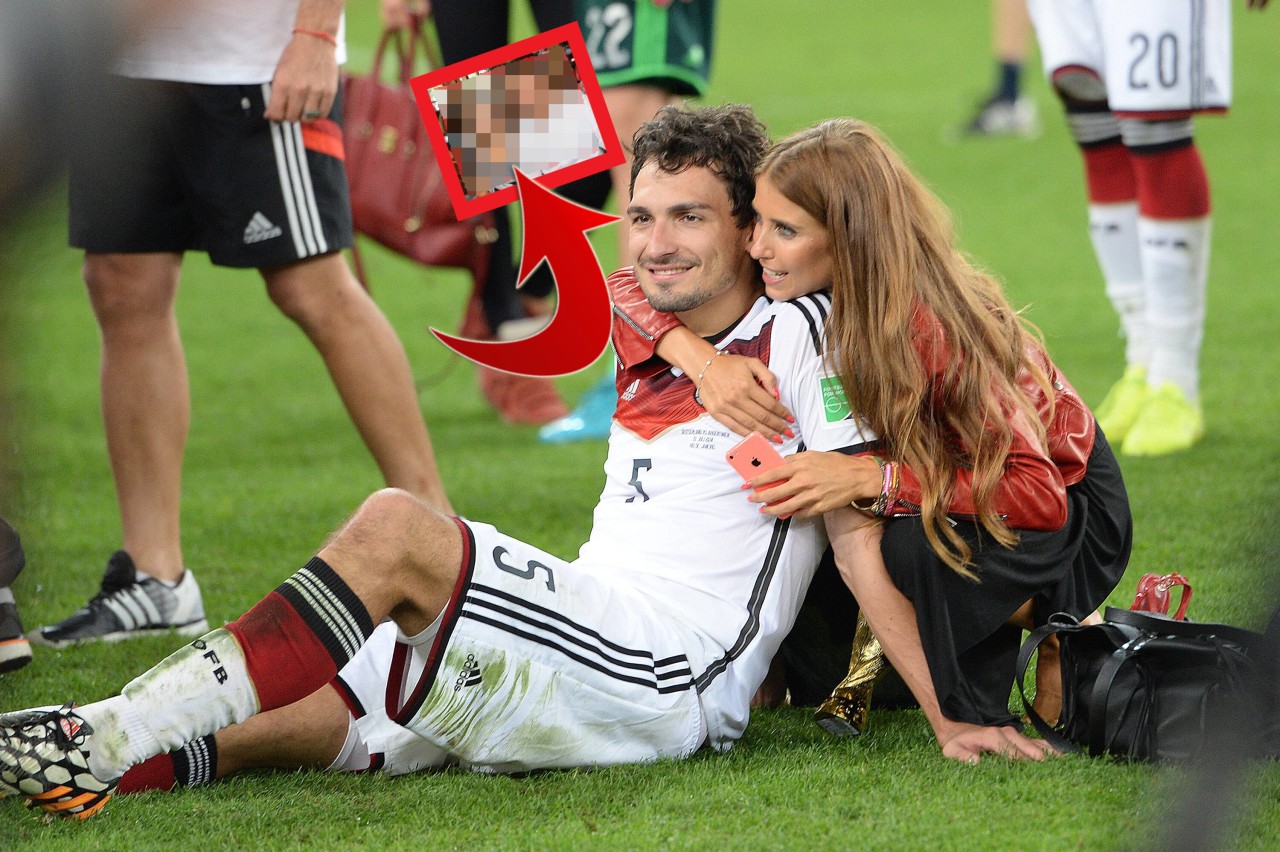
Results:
<point x="590" y="421"/>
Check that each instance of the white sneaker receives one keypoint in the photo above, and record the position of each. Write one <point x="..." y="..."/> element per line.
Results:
<point x="1005" y="118"/>
<point x="128" y="606"/>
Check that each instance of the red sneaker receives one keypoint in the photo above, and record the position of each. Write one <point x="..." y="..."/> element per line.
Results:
<point x="521" y="399"/>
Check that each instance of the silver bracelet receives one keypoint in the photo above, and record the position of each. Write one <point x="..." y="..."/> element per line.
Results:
<point x="697" y="384"/>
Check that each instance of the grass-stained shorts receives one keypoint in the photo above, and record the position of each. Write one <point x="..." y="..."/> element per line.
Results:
<point x="536" y="663"/>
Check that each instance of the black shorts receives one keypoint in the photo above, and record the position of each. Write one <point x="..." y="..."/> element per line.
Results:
<point x="970" y="648"/>
<point x="191" y="166"/>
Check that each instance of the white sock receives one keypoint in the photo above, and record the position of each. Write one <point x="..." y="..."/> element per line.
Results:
<point x="6" y="595"/>
<point x="1114" y="231"/>
<point x="354" y="756"/>
<point x="196" y="690"/>
<point x="1175" y="260"/>
<point x="120" y="737"/>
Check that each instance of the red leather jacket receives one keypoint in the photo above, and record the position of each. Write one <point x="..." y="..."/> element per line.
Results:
<point x="1031" y="494"/>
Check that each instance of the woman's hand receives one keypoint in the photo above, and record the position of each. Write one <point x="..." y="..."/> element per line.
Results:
<point x="742" y="394"/>
<point x="967" y="743"/>
<point x="811" y="483"/>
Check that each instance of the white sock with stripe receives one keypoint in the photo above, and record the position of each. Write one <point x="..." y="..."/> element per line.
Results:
<point x="194" y="691"/>
<point x="1113" y="229"/>
<point x="1175" y="261"/>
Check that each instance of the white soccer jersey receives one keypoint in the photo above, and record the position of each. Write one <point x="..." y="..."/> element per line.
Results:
<point x="653" y="640"/>
<point x="675" y="521"/>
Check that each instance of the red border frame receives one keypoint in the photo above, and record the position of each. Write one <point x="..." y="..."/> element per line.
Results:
<point x="569" y="34"/>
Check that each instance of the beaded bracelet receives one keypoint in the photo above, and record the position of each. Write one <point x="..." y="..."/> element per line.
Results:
<point x="888" y="487"/>
<point x="697" y="384"/>
<point x="316" y="34"/>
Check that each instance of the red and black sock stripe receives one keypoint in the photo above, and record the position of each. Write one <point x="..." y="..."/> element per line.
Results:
<point x="298" y="637"/>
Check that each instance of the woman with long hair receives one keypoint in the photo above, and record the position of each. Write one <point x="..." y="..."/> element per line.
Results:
<point x="992" y="501"/>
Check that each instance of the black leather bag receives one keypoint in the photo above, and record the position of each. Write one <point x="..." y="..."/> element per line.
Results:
<point x="1146" y="687"/>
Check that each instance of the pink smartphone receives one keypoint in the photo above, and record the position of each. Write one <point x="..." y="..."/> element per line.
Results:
<point x="752" y="456"/>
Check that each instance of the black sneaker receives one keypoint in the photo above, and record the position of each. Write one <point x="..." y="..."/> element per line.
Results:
<point x="44" y="758"/>
<point x="127" y="606"/>
<point x="15" y="650"/>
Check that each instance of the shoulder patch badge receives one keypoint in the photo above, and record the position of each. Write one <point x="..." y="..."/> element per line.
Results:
<point x="835" y="405"/>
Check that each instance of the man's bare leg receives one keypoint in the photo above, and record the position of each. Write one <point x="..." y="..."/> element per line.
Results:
<point x="368" y="365"/>
<point x="308" y="734"/>
<point x="396" y="557"/>
<point x="145" y="400"/>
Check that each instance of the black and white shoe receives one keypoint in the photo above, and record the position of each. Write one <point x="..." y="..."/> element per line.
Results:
<point x="44" y="758"/>
<point x="15" y="650"/>
<point x="130" y="605"/>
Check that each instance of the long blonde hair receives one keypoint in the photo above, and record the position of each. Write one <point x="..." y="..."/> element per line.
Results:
<point x="898" y="275"/>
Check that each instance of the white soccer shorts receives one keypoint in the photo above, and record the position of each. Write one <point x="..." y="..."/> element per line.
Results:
<point x="536" y="663"/>
<point x="1155" y="56"/>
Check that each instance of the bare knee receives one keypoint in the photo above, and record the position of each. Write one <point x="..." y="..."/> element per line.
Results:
<point x="317" y="293"/>
<point x="1080" y="88"/>
<point x="131" y="289"/>
<point x="401" y="555"/>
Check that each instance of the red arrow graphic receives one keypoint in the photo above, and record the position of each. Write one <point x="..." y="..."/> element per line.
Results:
<point x="555" y="229"/>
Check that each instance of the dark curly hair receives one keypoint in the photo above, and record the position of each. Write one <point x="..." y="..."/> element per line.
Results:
<point x="727" y="139"/>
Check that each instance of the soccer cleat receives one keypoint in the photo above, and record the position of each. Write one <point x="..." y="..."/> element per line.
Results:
<point x="1169" y="423"/>
<point x="127" y="606"/>
<point x="45" y="759"/>
<point x="15" y="650"/>
<point x="999" y="117"/>
<point x="847" y="711"/>
<point x="590" y="421"/>
<point x="1123" y="403"/>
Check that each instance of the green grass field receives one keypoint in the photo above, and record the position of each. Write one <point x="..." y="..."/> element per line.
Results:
<point x="273" y="464"/>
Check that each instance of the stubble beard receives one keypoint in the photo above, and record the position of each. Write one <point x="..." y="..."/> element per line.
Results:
<point x="673" y="300"/>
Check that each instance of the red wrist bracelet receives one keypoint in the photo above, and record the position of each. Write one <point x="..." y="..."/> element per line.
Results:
<point x="316" y="34"/>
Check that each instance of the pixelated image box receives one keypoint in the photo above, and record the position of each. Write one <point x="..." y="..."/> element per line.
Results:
<point x="533" y="105"/>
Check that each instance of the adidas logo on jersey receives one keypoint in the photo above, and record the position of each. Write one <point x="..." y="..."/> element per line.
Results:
<point x="260" y="228"/>
<point x="630" y="393"/>
<point x="470" y="674"/>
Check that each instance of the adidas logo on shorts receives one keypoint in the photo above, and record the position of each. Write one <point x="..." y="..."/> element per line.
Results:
<point x="470" y="674"/>
<point x="260" y="228"/>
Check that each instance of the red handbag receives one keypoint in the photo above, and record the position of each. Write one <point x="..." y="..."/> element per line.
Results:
<point x="1153" y="594"/>
<point x="398" y="197"/>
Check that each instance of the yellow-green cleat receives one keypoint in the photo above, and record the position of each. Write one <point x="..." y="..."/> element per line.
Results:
<point x="1169" y="423"/>
<point x="1120" y="408"/>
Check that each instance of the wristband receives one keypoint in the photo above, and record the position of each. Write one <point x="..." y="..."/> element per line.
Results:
<point x="320" y="34"/>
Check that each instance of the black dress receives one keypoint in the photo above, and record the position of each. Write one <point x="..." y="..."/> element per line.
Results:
<point x="970" y="647"/>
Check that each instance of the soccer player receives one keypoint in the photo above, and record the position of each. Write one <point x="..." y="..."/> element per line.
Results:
<point x="499" y="656"/>
<point x="646" y="54"/>
<point x="1131" y="75"/>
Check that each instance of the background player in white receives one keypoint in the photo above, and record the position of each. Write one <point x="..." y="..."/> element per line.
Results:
<point x="649" y="645"/>
<point x="1131" y="73"/>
